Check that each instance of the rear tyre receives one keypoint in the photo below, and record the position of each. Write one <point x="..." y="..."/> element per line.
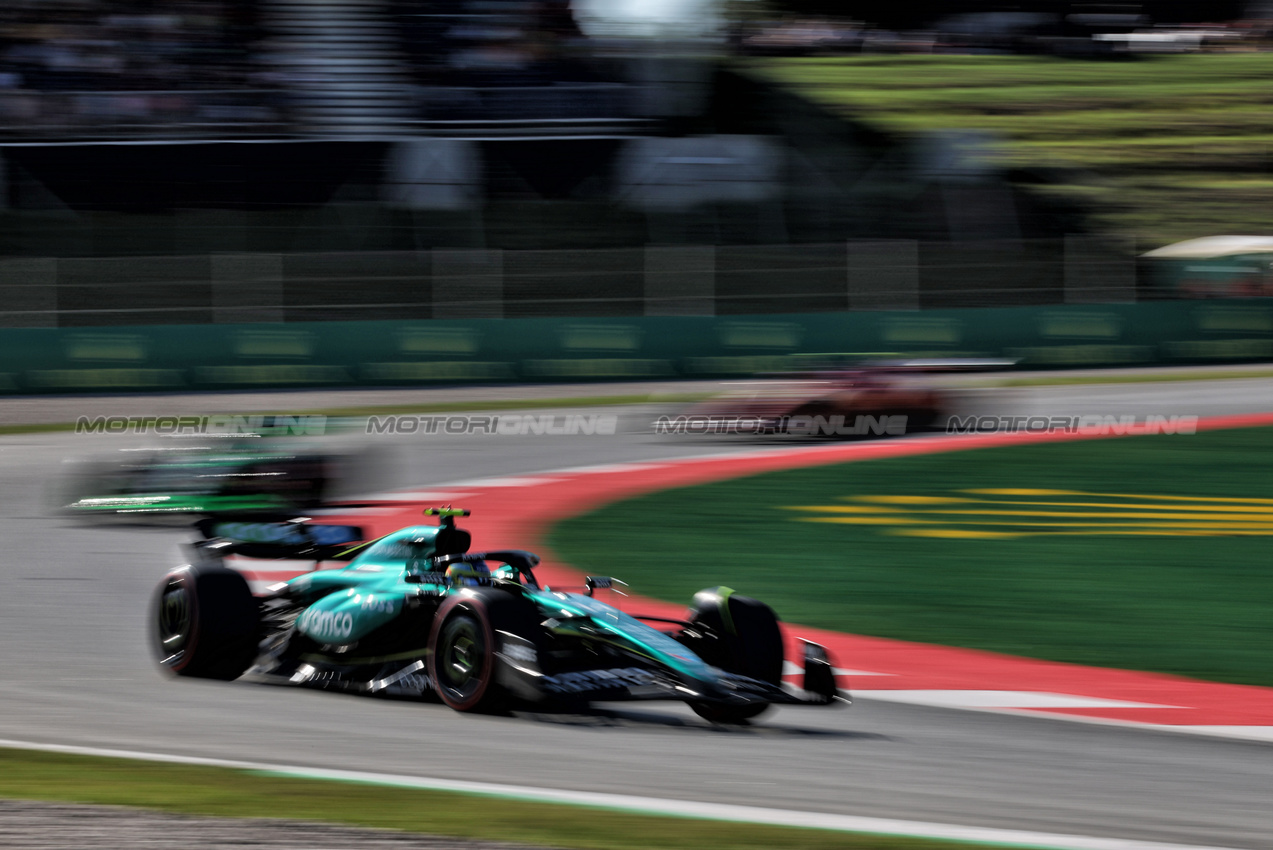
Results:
<point x="205" y="623"/>
<point x="740" y="635"/>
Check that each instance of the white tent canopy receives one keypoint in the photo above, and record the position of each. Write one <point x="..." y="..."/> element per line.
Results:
<point x="673" y="20"/>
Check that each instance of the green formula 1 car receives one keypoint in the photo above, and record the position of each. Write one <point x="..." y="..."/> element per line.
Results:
<point x="193" y="480"/>
<point x="415" y="613"/>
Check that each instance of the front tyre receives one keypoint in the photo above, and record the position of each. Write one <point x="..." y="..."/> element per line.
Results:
<point x="205" y="623"/>
<point x="464" y="654"/>
<point x="462" y="661"/>
<point x="740" y="635"/>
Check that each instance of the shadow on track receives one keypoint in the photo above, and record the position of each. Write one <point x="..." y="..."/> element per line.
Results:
<point x="610" y="718"/>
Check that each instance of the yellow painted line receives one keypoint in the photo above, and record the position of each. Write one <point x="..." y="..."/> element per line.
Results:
<point x="880" y="520"/>
<point x="1020" y="491"/>
<point x="973" y="533"/>
<point x="1011" y="492"/>
<point x="1162" y="516"/>
<point x="1240" y="507"/>
<point x="873" y="520"/>
<point x="1254" y="509"/>
<point x="957" y="533"/>
<point x="841" y="509"/>
<point x="1175" y="514"/>
<point x="913" y="500"/>
<point x="1100" y="515"/>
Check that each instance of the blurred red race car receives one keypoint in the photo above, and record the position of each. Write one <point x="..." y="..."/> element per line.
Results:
<point x="875" y="400"/>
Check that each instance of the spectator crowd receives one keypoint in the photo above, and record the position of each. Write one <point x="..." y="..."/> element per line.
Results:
<point x="74" y="63"/>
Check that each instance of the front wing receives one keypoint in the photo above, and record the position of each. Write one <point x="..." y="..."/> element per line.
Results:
<point x="520" y="673"/>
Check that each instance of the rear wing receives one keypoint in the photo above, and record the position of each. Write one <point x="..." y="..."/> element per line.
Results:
<point x="294" y="538"/>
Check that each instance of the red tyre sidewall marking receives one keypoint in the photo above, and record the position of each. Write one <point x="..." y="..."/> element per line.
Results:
<point x="186" y="578"/>
<point x="478" y="607"/>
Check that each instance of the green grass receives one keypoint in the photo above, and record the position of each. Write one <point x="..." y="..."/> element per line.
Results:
<point x="1143" y="139"/>
<point x="46" y="428"/>
<point x="239" y="793"/>
<point x="1126" y="378"/>
<point x="1190" y="605"/>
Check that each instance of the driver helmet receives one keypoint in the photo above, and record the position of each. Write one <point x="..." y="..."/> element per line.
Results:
<point x="466" y="574"/>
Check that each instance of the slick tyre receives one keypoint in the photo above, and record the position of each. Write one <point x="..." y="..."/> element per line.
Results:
<point x="463" y="647"/>
<point x="740" y="635"/>
<point x="205" y="623"/>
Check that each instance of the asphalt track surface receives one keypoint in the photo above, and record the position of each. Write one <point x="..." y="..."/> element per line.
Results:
<point x="77" y="670"/>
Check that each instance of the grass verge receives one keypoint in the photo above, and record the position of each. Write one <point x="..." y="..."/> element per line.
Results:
<point x="224" y="792"/>
<point x="1147" y="553"/>
<point x="1060" y="380"/>
<point x="39" y="428"/>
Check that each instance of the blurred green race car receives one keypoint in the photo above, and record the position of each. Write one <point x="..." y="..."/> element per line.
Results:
<point x="199" y="480"/>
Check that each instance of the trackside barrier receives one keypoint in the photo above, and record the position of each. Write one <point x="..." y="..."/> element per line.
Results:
<point x="299" y="354"/>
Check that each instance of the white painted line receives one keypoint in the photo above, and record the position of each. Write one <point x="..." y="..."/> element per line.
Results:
<point x="420" y="495"/>
<point x="269" y="567"/>
<point x="1244" y="734"/>
<point x="792" y="669"/>
<point x="354" y="505"/>
<point x="749" y="454"/>
<point x="1250" y="733"/>
<point x="547" y="476"/>
<point x="999" y="699"/>
<point x="651" y="805"/>
<point x="510" y="481"/>
<point x="611" y="467"/>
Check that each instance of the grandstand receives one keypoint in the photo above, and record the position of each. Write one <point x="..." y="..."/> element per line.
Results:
<point x="209" y="160"/>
